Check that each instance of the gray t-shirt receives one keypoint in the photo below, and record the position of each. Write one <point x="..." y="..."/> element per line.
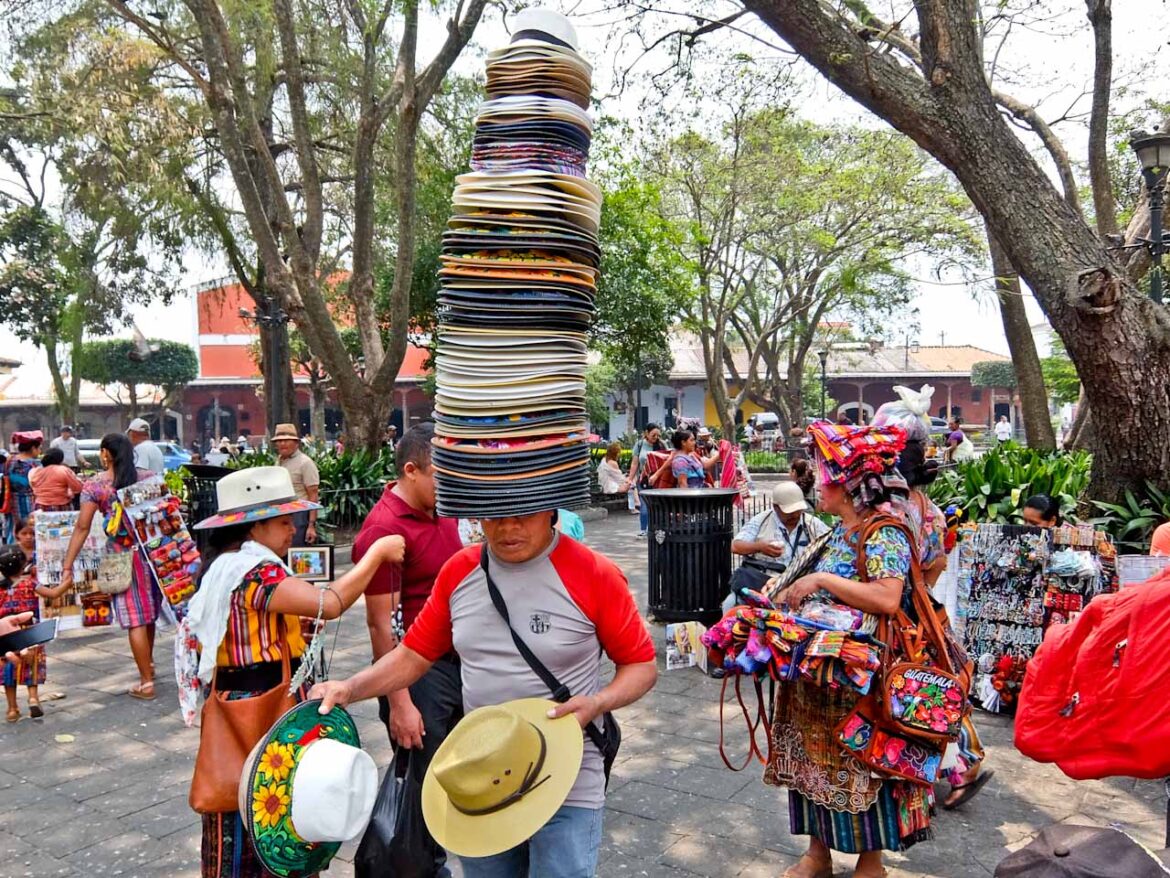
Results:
<point x="568" y="604"/>
<point x="147" y="456"/>
<point x="68" y="448"/>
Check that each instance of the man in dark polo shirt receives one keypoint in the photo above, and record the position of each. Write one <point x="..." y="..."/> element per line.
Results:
<point x="420" y="718"/>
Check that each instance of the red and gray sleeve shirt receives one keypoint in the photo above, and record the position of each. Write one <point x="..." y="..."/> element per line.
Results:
<point x="568" y="604"/>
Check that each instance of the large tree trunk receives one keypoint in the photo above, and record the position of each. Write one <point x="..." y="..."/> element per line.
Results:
<point x="318" y="399"/>
<point x="1118" y="339"/>
<point x="1022" y="345"/>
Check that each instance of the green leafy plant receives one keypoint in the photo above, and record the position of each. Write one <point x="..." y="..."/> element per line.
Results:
<point x="1132" y="523"/>
<point x="351" y="482"/>
<point x="993" y="488"/>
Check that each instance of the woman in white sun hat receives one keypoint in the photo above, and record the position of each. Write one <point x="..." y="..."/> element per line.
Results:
<point x="244" y="624"/>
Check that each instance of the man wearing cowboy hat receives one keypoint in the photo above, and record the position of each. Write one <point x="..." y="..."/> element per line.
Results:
<point x="568" y="604"/>
<point x="305" y="478"/>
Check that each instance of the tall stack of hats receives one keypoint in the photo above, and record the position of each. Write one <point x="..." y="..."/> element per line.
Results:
<point x="519" y="274"/>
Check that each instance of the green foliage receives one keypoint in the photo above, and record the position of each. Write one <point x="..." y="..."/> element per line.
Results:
<point x="644" y="280"/>
<point x="994" y="487"/>
<point x="766" y="462"/>
<point x="351" y="482"/>
<point x="993" y="373"/>
<point x="600" y="379"/>
<point x="115" y="361"/>
<point x="1132" y="523"/>
<point x="1060" y="375"/>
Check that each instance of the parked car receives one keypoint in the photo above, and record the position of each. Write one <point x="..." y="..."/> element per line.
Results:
<point x="174" y="455"/>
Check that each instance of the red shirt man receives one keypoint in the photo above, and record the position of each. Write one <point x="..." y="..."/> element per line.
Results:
<point x="418" y="718"/>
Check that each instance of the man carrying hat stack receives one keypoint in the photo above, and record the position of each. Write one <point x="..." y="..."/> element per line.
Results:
<point x="518" y="787"/>
<point x="305" y="478"/>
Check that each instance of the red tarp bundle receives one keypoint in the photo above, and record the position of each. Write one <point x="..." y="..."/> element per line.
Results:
<point x="1096" y="696"/>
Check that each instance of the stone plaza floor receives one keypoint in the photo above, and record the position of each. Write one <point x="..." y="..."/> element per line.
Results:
<point x="99" y="786"/>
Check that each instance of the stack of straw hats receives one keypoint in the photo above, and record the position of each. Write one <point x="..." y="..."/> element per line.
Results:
<point x="519" y="274"/>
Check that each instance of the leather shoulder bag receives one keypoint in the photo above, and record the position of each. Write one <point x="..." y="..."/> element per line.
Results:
<point x="229" y="730"/>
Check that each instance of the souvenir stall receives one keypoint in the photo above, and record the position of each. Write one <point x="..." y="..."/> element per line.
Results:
<point x="97" y="573"/>
<point x="519" y="273"/>
<point x="154" y="524"/>
<point x="1013" y="582"/>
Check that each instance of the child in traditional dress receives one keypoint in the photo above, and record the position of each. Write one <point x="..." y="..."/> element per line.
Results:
<point x="18" y="569"/>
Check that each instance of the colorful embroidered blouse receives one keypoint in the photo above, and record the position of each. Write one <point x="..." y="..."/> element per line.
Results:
<point x="929" y="524"/>
<point x="22" y="597"/>
<point x="253" y="633"/>
<point x="887" y="555"/>
<point x="690" y="466"/>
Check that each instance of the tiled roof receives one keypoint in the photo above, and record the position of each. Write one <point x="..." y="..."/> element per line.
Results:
<point x="855" y="360"/>
<point x="925" y="361"/>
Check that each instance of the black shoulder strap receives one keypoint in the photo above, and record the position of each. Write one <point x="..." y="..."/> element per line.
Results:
<point x="560" y="692"/>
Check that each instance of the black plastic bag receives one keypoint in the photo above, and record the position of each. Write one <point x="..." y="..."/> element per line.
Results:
<point x="396" y="843"/>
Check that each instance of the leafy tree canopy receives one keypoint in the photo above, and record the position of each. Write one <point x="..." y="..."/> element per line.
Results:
<point x="117" y="361"/>
<point x="1060" y="374"/>
<point x="993" y="373"/>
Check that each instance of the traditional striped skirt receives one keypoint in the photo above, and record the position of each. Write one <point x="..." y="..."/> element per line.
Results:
<point x="28" y="670"/>
<point x="141" y="603"/>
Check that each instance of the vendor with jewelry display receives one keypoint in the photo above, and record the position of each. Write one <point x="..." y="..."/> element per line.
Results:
<point x="833" y="797"/>
<point x="244" y="623"/>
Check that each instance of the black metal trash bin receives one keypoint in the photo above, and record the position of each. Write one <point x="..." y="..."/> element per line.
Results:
<point x="201" y="499"/>
<point x="689" y="544"/>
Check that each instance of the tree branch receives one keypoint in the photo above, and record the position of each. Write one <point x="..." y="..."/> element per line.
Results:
<point x="302" y="132"/>
<point x="1101" y="17"/>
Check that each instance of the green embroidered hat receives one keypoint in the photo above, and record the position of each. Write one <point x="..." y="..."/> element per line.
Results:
<point x="307" y="787"/>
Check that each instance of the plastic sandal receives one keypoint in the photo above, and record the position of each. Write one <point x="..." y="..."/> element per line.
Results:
<point x="143" y="691"/>
<point x="35" y="710"/>
<point x="13" y="715"/>
<point x="968" y="790"/>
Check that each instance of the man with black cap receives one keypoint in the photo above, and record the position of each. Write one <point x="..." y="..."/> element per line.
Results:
<point x="419" y="718"/>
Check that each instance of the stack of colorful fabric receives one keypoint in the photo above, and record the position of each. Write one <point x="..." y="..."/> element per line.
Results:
<point x="761" y="640"/>
<point x="519" y="273"/>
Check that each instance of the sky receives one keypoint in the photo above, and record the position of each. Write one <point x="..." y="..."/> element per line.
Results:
<point x="948" y="310"/>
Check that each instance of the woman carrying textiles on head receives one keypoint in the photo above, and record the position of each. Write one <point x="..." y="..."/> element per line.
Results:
<point x="834" y="798"/>
<point x="245" y="620"/>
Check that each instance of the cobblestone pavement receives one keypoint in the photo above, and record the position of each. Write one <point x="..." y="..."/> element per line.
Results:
<point x="112" y="800"/>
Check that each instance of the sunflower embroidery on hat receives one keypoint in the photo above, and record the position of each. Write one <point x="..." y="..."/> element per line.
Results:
<point x="306" y="788"/>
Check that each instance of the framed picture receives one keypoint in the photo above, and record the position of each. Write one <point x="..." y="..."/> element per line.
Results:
<point x="312" y="563"/>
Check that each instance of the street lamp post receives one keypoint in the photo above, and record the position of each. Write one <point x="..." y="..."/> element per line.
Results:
<point x="823" y="356"/>
<point x="272" y="324"/>
<point x="1153" y="153"/>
